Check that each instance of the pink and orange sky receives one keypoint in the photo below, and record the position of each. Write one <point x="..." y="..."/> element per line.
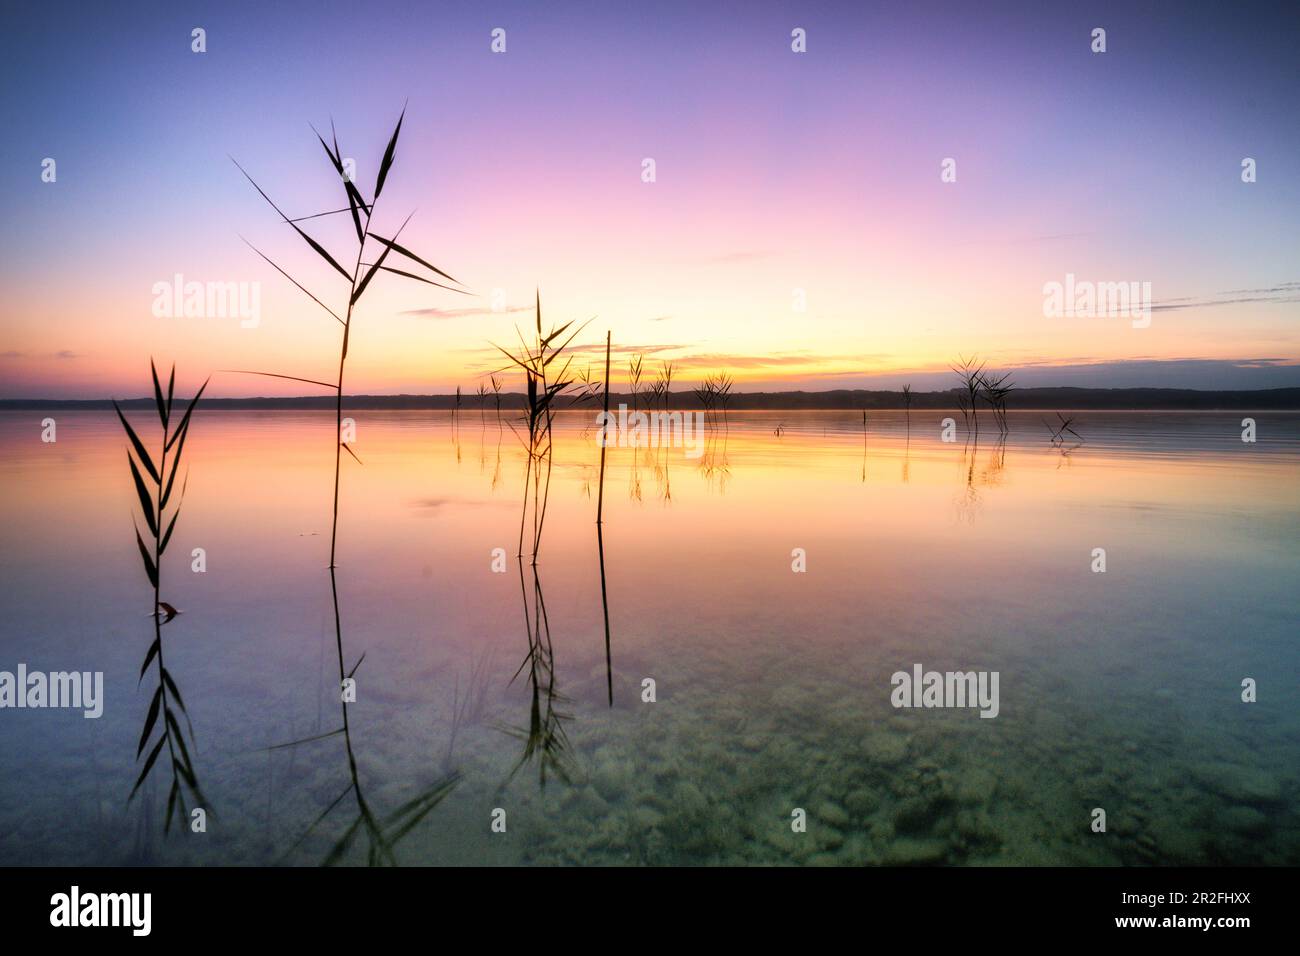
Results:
<point x="775" y="171"/>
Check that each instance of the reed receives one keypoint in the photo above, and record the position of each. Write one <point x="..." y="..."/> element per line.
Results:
<point x="634" y="377"/>
<point x="600" y="536"/>
<point x="543" y="388"/>
<point x="382" y="832"/>
<point x="995" y="389"/>
<point x="864" y="446"/>
<point x="714" y="393"/>
<point x="970" y="375"/>
<point x="722" y="384"/>
<point x="496" y="395"/>
<point x="1058" y="432"/>
<point x="704" y="395"/>
<point x="359" y="278"/>
<point x="600" y="497"/>
<point x="544" y="736"/>
<point x="907" y="447"/>
<point x="155" y="497"/>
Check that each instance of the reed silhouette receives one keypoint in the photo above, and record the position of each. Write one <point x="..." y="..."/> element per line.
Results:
<point x="634" y="377"/>
<point x="362" y="213"/>
<point x="1066" y="424"/>
<point x="600" y="533"/>
<point x="970" y="375"/>
<point x="154" y="501"/>
<point x="995" y="389"/>
<point x="544" y="387"/>
<point x="544" y="735"/>
<point x="1058" y="441"/>
<point x="382" y="832"/>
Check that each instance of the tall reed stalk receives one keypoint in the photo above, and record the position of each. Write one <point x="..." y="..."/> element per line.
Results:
<point x="600" y="536"/>
<point x="362" y="213"/>
<point x="544" y="387"/>
<point x="970" y="373"/>
<point x="600" y="497"/>
<point x="154" y="500"/>
<point x="995" y="389"/>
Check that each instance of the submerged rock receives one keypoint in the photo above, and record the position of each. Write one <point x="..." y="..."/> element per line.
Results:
<point x="917" y="815"/>
<point x="834" y="814"/>
<point x="885" y="748"/>
<point x="862" y="803"/>
<point x="1240" y="784"/>
<point x="1244" y="820"/>
<point x="909" y="851"/>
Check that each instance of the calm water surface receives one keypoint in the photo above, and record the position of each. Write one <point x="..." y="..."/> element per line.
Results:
<point x="1119" y="690"/>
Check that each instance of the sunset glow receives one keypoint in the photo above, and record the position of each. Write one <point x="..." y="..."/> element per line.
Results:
<point x="777" y="176"/>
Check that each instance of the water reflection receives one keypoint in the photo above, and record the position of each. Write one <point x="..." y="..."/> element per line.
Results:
<point x="742" y="727"/>
<point x="543" y="734"/>
<point x="714" y="465"/>
<point x="381" y="833"/>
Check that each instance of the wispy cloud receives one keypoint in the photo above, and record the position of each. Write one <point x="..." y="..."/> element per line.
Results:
<point x="61" y="354"/>
<point x="1285" y="292"/>
<point x="776" y="360"/>
<point x="1193" y="372"/>
<point x="464" y="313"/>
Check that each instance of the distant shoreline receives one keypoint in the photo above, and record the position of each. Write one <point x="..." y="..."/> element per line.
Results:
<point x="1027" y="399"/>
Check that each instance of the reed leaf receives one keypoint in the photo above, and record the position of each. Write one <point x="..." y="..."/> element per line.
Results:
<point x="365" y="281"/>
<point x="337" y="160"/>
<point x="183" y="428"/>
<point x="293" y="280"/>
<point x="387" y="161"/>
<point x="171" y="805"/>
<point x="292" y="378"/>
<point x="412" y="275"/>
<point x="171" y="390"/>
<point x="343" y="843"/>
<point x="353" y="192"/>
<point x="148" y="765"/>
<point x="150" y="568"/>
<point x="158" y="395"/>
<point x="171" y="687"/>
<point x="307" y="740"/>
<point x="310" y="241"/>
<point x="402" y="250"/>
<point x="162" y="546"/>
<point x="179" y="737"/>
<point x="154" y="648"/>
<point x="137" y="444"/>
<point x="418" y="808"/>
<point x="171" y="477"/>
<point x="149" y="721"/>
<point x="146" y="499"/>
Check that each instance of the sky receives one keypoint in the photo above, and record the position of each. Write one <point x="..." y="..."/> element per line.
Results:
<point x="798" y="232"/>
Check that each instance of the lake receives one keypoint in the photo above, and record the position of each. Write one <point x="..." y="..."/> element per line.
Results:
<point x="482" y="684"/>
